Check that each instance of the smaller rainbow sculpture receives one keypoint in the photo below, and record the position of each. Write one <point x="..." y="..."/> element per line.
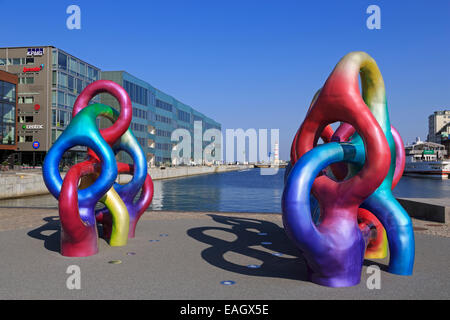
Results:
<point x="350" y="177"/>
<point x="93" y="180"/>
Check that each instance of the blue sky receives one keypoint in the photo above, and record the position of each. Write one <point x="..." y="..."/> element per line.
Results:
<point x="253" y="64"/>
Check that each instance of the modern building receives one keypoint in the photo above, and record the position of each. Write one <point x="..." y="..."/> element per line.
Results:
<point x="155" y="116"/>
<point x="49" y="81"/>
<point x="8" y="119"/>
<point x="439" y="126"/>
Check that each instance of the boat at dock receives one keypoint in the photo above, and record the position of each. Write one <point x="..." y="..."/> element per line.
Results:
<point x="427" y="160"/>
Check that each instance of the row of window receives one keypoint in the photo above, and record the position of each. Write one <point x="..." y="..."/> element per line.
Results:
<point x="16" y="61"/>
<point x="163" y="105"/>
<point x="26" y="139"/>
<point x="61" y="118"/>
<point x="184" y="116"/>
<point x="163" y="119"/>
<point x="164" y="146"/>
<point x="138" y="127"/>
<point x="25" y="119"/>
<point x="65" y="81"/>
<point x="138" y="113"/>
<point x="163" y="133"/>
<point x="74" y="66"/>
<point x="138" y="94"/>
<point x="62" y="99"/>
<point x="26" y="100"/>
<point x="26" y="80"/>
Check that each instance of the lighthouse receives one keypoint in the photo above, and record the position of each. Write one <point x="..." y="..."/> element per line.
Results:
<point x="276" y="152"/>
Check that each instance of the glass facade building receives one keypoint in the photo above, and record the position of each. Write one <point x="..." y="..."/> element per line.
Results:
<point x="155" y="116"/>
<point x="70" y="76"/>
<point x="48" y="83"/>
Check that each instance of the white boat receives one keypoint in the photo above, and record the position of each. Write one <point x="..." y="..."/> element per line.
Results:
<point x="427" y="159"/>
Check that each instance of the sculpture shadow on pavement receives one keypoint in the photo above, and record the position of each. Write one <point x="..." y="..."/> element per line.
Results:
<point x="278" y="258"/>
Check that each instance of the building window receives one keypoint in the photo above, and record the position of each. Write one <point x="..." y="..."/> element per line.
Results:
<point x="26" y="80"/>
<point x="54" y="58"/>
<point x="28" y="138"/>
<point x="62" y="61"/>
<point x="13" y="61"/>
<point x="8" y="134"/>
<point x="184" y="116"/>
<point x="73" y="66"/>
<point x="70" y="83"/>
<point x="137" y="93"/>
<point x="26" y="100"/>
<point x="54" y="118"/>
<point x="164" y="105"/>
<point x="7" y="92"/>
<point x="62" y="80"/>
<point x="82" y="69"/>
<point x="163" y="119"/>
<point x="54" y="79"/>
<point x="79" y="85"/>
<point x="71" y="100"/>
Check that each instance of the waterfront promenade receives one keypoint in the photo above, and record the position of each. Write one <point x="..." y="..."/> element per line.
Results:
<point x="193" y="253"/>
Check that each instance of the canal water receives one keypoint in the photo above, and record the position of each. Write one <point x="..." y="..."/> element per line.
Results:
<point x="237" y="191"/>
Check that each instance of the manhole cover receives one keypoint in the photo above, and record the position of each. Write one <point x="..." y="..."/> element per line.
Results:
<point x="419" y="229"/>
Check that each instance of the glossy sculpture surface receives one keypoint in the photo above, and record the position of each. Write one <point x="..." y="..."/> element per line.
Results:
<point x="93" y="180"/>
<point x="338" y="207"/>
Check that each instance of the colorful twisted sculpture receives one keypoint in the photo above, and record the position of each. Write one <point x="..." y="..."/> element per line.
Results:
<point x="350" y="177"/>
<point x="93" y="180"/>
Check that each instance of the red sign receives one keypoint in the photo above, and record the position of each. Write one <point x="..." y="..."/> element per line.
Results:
<point x="37" y="107"/>
<point x="35" y="69"/>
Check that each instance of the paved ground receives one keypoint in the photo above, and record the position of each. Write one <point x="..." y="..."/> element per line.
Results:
<point x="195" y="252"/>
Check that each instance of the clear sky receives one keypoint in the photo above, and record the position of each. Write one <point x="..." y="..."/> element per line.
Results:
<point x="252" y="63"/>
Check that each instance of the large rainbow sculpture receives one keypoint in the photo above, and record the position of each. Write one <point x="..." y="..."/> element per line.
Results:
<point x="350" y="177"/>
<point x="93" y="180"/>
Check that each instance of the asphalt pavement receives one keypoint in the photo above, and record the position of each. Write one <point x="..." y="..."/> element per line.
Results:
<point x="178" y="255"/>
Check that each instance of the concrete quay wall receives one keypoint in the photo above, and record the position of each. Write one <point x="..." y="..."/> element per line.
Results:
<point x="24" y="184"/>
